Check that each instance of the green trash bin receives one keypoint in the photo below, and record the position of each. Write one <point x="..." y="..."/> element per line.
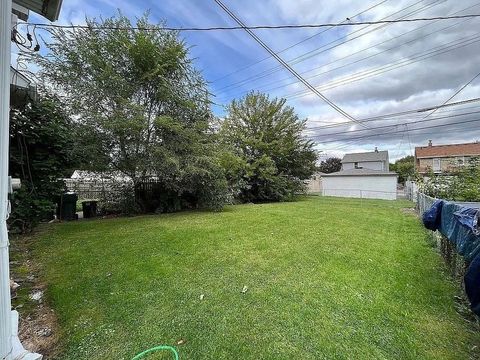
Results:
<point x="67" y="207"/>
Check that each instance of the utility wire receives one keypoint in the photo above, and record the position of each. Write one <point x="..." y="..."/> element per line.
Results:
<point x="346" y="38"/>
<point x="364" y="74"/>
<point x="395" y="125"/>
<point x="254" y="27"/>
<point x="403" y="113"/>
<point x="394" y="132"/>
<point x="284" y="64"/>
<point x="456" y="93"/>
<point x="371" y="72"/>
<point x="358" y="52"/>
<point x="297" y="43"/>
<point x="391" y="116"/>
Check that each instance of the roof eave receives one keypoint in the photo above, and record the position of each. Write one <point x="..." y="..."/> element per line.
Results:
<point x="50" y="9"/>
<point x="443" y="156"/>
<point x="360" y="174"/>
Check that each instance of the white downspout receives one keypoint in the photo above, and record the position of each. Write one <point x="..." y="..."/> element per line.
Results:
<point x="5" y="303"/>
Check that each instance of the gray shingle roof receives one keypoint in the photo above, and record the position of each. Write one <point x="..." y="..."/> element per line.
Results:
<point x="361" y="172"/>
<point x="366" y="156"/>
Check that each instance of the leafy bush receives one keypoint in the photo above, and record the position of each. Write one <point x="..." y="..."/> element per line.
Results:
<point x="330" y="165"/>
<point x="40" y="154"/>
<point x="119" y="199"/>
<point x="462" y="185"/>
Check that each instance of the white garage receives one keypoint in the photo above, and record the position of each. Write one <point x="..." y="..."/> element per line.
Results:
<point x="361" y="183"/>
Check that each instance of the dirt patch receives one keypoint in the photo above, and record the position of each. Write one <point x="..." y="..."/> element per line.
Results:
<point x="38" y="332"/>
<point x="38" y="328"/>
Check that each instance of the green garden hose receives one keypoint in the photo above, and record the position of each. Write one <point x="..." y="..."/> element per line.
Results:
<point x="155" y="349"/>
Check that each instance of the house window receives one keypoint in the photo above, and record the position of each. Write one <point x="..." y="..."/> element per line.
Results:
<point x="356" y="166"/>
<point x="436" y="165"/>
<point x="460" y="160"/>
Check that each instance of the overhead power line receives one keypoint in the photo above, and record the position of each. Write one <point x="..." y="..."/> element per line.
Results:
<point x="276" y="82"/>
<point x="392" y="116"/>
<point x="253" y="27"/>
<point x="284" y="64"/>
<point x="456" y="93"/>
<point x="394" y="125"/>
<point x="334" y="43"/>
<point x="364" y="74"/>
<point x="295" y="44"/>
<point x="398" y="131"/>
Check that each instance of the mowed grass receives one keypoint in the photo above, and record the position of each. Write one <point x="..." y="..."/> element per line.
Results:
<point x="327" y="278"/>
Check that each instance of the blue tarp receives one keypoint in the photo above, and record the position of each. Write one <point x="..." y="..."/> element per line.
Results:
<point x="459" y="223"/>
<point x="431" y="217"/>
<point x="469" y="217"/>
<point x="472" y="285"/>
<point x="466" y="242"/>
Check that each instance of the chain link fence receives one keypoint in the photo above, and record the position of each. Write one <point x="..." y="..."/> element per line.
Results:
<point x="447" y="249"/>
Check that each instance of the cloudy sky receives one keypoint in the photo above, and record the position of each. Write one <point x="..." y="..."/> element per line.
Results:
<point x="368" y="70"/>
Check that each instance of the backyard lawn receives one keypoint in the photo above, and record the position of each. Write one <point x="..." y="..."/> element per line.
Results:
<point x="326" y="278"/>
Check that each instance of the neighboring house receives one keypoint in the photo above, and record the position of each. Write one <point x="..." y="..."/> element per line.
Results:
<point x="375" y="160"/>
<point x="361" y="183"/>
<point x="442" y="159"/>
<point x="314" y="184"/>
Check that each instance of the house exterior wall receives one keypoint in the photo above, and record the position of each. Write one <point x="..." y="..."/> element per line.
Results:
<point x="362" y="186"/>
<point x="447" y="163"/>
<point x="372" y="165"/>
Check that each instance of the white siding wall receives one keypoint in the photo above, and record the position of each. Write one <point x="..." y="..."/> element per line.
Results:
<point x="362" y="186"/>
<point x="372" y="165"/>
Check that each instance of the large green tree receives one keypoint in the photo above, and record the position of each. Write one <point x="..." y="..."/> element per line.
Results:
<point x="142" y="106"/>
<point x="269" y="158"/>
<point x="330" y="165"/>
<point x="404" y="167"/>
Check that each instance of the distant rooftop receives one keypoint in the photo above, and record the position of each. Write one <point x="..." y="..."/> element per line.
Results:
<point x="356" y="172"/>
<point x="365" y="156"/>
<point x="471" y="149"/>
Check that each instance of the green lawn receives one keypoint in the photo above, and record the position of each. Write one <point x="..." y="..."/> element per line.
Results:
<point x="327" y="278"/>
